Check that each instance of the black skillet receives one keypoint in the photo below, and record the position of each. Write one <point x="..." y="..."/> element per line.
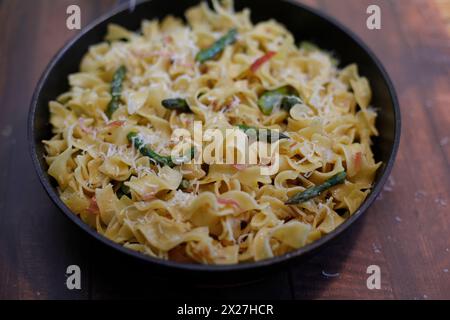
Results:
<point x="305" y="24"/>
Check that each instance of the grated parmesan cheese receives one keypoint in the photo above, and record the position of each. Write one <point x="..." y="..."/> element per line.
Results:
<point x="180" y="198"/>
<point x="156" y="141"/>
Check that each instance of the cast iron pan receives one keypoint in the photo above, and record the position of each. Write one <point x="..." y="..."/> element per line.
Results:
<point x="305" y="24"/>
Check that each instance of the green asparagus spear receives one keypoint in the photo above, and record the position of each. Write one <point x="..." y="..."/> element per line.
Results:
<point x="285" y="97"/>
<point x="263" y="134"/>
<point x="317" y="190"/>
<point x="178" y="104"/>
<point x="116" y="90"/>
<point x="218" y="46"/>
<point x="270" y="99"/>
<point x="289" y="101"/>
<point x="139" y="144"/>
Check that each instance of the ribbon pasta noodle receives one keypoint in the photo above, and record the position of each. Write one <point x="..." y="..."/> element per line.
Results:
<point x="210" y="213"/>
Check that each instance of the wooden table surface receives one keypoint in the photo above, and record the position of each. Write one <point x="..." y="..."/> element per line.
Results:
<point x="406" y="232"/>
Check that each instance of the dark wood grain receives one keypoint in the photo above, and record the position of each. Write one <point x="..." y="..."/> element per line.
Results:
<point x="406" y="232"/>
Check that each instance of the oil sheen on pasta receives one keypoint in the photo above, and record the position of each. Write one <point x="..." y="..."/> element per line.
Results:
<point x="222" y="214"/>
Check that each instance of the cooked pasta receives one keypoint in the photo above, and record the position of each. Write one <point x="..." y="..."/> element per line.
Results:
<point x="115" y="129"/>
